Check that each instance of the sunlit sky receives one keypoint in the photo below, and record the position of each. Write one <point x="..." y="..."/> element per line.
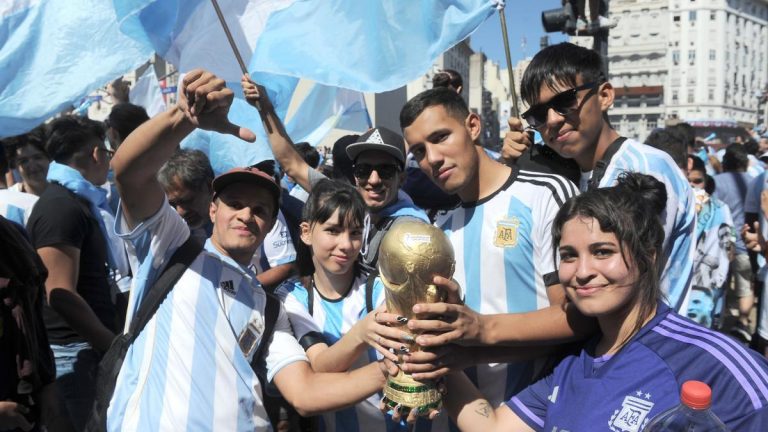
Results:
<point x="523" y="21"/>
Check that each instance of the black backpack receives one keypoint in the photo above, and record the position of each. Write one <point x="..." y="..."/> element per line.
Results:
<point x="112" y="362"/>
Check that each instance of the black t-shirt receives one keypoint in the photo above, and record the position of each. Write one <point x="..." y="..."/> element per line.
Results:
<point x="62" y="218"/>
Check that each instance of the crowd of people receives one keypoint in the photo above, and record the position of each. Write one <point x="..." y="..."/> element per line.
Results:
<point x="593" y="273"/>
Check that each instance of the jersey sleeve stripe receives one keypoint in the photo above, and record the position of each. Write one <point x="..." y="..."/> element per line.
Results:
<point x="528" y="416"/>
<point x="310" y="339"/>
<point x="730" y="346"/>
<point x="740" y="378"/>
<point x="559" y="190"/>
<point x="558" y="197"/>
<point x="551" y="278"/>
<point x="567" y="186"/>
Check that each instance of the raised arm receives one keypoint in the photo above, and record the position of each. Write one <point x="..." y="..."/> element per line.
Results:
<point x="282" y="146"/>
<point x="204" y="102"/>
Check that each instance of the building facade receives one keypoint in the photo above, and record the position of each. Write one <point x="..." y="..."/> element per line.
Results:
<point x="690" y="60"/>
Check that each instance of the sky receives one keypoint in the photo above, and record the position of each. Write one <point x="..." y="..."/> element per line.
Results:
<point x="523" y="20"/>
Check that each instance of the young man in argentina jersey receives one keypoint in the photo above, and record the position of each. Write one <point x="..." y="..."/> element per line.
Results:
<point x="569" y="99"/>
<point x="500" y="232"/>
<point x="189" y="369"/>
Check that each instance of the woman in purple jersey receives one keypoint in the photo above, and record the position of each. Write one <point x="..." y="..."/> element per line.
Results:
<point x="608" y="241"/>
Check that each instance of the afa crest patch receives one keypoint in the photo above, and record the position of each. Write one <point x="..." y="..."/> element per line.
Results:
<point x="633" y="414"/>
<point x="506" y="232"/>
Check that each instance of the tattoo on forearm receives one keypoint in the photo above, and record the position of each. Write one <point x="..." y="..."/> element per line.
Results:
<point x="484" y="409"/>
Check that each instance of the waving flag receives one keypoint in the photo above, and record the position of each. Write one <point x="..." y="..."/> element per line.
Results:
<point x="58" y="50"/>
<point x="365" y="45"/>
<point x="325" y="108"/>
<point x="53" y="52"/>
<point x="146" y="93"/>
<point x="188" y="33"/>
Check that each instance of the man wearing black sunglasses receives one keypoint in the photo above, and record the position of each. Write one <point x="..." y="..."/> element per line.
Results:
<point x="568" y="99"/>
<point x="378" y="158"/>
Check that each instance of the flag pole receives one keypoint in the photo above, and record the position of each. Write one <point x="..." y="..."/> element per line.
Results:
<point x="229" y="37"/>
<point x="239" y="58"/>
<point x="513" y="93"/>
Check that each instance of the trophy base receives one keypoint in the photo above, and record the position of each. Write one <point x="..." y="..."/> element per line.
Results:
<point x="407" y="394"/>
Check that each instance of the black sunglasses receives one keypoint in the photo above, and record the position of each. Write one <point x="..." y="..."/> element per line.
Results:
<point x="385" y="171"/>
<point x="699" y="180"/>
<point x="564" y="103"/>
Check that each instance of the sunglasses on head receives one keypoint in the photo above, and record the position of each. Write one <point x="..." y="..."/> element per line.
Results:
<point x="564" y="103"/>
<point x="385" y="171"/>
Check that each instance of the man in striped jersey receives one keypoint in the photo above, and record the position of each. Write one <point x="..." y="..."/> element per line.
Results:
<point x="189" y="369"/>
<point x="568" y="98"/>
<point x="501" y="232"/>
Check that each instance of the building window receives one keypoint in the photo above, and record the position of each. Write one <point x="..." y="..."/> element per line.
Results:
<point x="712" y="54"/>
<point x="692" y="17"/>
<point x="712" y="16"/>
<point x="675" y="57"/>
<point x="711" y="94"/>
<point x="674" y="96"/>
<point x="691" y="57"/>
<point x="676" y="18"/>
<point x="690" y="96"/>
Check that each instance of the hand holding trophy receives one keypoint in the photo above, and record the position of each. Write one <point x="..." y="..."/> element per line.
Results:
<point x="411" y="254"/>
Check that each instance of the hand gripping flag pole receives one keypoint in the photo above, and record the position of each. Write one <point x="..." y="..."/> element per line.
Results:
<point x="239" y="58"/>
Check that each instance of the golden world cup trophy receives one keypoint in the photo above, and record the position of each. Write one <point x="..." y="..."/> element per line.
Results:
<point x="411" y="254"/>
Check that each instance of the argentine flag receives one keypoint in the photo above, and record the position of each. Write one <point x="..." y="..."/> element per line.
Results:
<point x="53" y="53"/>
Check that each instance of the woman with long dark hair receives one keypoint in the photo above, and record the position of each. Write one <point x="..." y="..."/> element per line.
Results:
<point x="609" y="241"/>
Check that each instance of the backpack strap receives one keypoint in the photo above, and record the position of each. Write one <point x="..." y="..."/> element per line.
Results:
<point x="271" y="312"/>
<point x="111" y="363"/>
<point x="369" y="290"/>
<point x="309" y="286"/>
<point x="177" y="265"/>
<point x="258" y="361"/>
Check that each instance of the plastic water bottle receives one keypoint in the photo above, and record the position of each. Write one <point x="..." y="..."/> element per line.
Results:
<point x="693" y="413"/>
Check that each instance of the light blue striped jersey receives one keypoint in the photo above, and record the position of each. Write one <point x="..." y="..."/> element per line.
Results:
<point x="186" y="370"/>
<point x="333" y="319"/>
<point x="505" y="260"/>
<point x="679" y="217"/>
<point x="16" y="206"/>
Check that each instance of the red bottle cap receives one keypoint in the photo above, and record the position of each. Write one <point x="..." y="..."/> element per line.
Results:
<point x="696" y="395"/>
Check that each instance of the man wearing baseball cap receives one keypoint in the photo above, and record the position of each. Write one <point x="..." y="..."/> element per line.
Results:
<point x="190" y="367"/>
<point x="378" y="159"/>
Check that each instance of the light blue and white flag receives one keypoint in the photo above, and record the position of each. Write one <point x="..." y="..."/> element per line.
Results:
<point x="323" y="109"/>
<point x="188" y="33"/>
<point x="365" y="45"/>
<point x="146" y="93"/>
<point x="54" y="52"/>
<point x="326" y="108"/>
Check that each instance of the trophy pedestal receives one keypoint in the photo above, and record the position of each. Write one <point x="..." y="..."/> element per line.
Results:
<point x="410" y="394"/>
